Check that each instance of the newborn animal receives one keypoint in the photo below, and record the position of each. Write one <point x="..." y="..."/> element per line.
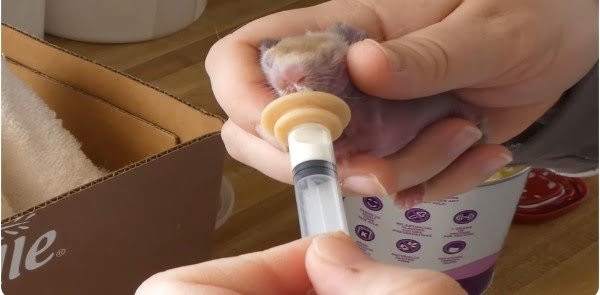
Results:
<point x="317" y="61"/>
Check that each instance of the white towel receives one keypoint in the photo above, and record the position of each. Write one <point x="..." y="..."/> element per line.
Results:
<point x="40" y="159"/>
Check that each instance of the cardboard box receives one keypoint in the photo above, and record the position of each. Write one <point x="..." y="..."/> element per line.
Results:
<point x="154" y="212"/>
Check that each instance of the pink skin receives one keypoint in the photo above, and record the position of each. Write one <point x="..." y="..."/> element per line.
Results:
<point x="378" y="126"/>
<point x="382" y="127"/>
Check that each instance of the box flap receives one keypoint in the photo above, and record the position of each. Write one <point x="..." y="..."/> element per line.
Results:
<point x="110" y="137"/>
<point x="117" y="88"/>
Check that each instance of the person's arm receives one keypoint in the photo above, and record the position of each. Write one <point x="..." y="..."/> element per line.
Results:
<point x="565" y="139"/>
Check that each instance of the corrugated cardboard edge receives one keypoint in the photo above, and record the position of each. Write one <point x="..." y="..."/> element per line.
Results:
<point x="129" y="167"/>
<point x="108" y="176"/>
<point x="120" y="73"/>
<point x="177" y="138"/>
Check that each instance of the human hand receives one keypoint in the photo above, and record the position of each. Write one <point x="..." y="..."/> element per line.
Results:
<point x="327" y="264"/>
<point x="511" y="59"/>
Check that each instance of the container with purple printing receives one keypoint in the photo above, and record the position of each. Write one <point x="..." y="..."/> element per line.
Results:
<point x="461" y="236"/>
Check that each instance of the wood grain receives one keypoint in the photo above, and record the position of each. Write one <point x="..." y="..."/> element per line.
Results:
<point x="556" y="257"/>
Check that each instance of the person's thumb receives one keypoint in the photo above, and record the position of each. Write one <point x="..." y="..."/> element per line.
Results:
<point x="448" y="55"/>
<point x="335" y="265"/>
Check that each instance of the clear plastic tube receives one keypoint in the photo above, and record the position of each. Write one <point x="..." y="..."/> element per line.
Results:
<point x="318" y="194"/>
<point x="320" y="205"/>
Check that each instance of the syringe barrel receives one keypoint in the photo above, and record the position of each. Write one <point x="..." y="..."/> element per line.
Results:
<point x="318" y="198"/>
<point x="318" y="193"/>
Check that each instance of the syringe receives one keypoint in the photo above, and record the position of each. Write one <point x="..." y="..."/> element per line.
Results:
<point x="308" y="123"/>
<point x="318" y="195"/>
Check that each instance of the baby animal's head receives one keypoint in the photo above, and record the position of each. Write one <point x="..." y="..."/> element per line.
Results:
<point x="314" y="61"/>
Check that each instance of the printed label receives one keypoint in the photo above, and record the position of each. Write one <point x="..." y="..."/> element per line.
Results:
<point x="449" y="260"/>
<point x="407" y="259"/>
<point x="460" y="231"/>
<point x="408" y="246"/>
<point x="413" y="230"/>
<point x="454" y="247"/>
<point x="365" y="248"/>
<point x="417" y="215"/>
<point x="369" y="217"/>
<point x="25" y="253"/>
<point x="373" y="203"/>
<point x="364" y="233"/>
<point x="464" y="217"/>
<point x="463" y="233"/>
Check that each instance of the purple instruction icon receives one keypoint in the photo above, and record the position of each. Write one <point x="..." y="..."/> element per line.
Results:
<point x="364" y="233"/>
<point x="454" y="247"/>
<point x="373" y="203"/>
<point x="417" y="215"/>
<point x="408" y="246"/>
<point x="465" y="216"/>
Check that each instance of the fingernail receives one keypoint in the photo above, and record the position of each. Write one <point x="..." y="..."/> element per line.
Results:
<point x="464" y="139"/>
<point x="364" y="184"/>
<point x="483" y="126"/>
<point x="402" y="203"/>
<point x="496" y="163"/>
<point x="394" y="60"/>
<point x="410" y="197"/>
<point x="338" y="249"/>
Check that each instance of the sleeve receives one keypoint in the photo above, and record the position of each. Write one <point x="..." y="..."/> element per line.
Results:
<point x="565" y="139"/>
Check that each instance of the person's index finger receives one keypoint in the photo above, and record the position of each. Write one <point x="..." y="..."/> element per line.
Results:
<point x="238" y="82"/>
<point x="279" y="270"/>
<point x="233" y="63"/>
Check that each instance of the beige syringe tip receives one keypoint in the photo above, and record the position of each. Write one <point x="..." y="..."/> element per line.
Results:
<point x="287" y="112"/>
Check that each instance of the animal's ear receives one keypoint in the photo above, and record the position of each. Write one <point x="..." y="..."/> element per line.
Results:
<point x="350" y="34"/>
<point x="266" y="44"/>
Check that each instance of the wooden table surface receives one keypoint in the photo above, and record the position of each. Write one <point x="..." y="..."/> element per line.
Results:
<point x="556" y="257"/>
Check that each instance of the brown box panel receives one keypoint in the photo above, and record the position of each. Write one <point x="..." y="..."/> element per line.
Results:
<point x="107" y="236"/>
